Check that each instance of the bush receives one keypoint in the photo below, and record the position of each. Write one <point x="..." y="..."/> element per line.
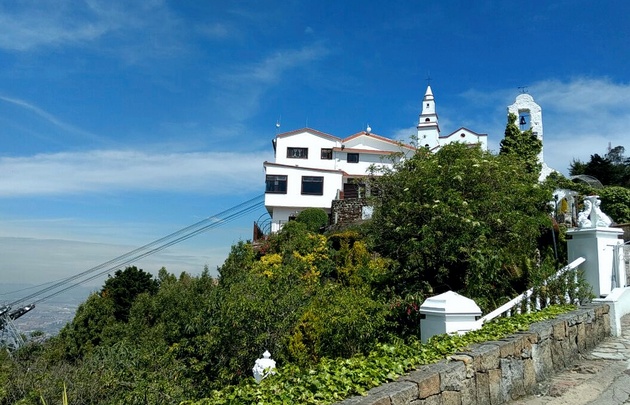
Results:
<point x="315" y="219"/>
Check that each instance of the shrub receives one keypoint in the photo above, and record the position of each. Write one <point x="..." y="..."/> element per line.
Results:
<point x="315" y="219"/>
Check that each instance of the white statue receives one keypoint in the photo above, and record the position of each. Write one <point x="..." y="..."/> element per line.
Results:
<point x="264" y="367"/>
<point x="602" y="219"/>
<point x="592" y="216"/>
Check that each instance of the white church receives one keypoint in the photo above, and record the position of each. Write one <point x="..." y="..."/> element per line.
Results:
<point x="316" y="169"/>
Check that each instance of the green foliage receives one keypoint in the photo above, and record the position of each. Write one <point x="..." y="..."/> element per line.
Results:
<point x="521" y="145"/>
<point x="616" y="203"/>
<point x="238" y="262"/>
<point x="612" y="169"/>
<point x="315" y="219"/>
<point x="461" y="219"/>
<point x="339" y="322"/>
<point x="125" y="286"/>
<point x="615" y="199"/>
<point x="94" y="324"/>
<point x="331" y="381"/>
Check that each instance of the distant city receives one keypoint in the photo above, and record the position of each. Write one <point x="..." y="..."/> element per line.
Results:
<point x="48" y="316"/>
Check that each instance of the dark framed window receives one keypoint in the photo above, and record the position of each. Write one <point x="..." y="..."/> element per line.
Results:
<point x="297" y="153"/>
<point x="312" y="185"/>
<point x="353" y="158"/>
<point x="326" y="154"/>
<point x="276" y="184"/>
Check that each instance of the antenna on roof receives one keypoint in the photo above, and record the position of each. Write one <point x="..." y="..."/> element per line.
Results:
<point x="368" y="129"/>
<point x="278" y="124"/>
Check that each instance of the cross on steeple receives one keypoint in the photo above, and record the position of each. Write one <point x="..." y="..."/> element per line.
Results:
<point x="428" y="79"/>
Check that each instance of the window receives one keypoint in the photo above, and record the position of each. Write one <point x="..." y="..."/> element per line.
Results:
<point x="353" y="158"/>
<point x="312" y="185"/>
<point x="326" y="154"/>
<point x="297" y="153"/>
<point x="276" y="184"/>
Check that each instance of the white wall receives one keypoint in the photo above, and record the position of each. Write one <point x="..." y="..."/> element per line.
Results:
<point x="372" y="150"/>
<point x="465" y="136"/>
<point x="286" y="204"/>
<point x="313" y="142"/>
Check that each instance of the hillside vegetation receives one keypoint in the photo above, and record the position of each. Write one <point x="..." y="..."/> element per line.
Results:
<point x="461" y="219"/>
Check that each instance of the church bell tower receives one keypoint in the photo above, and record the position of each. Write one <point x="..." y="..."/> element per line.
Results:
<point x="529" y="115"/>
<point x="428" y="128"/>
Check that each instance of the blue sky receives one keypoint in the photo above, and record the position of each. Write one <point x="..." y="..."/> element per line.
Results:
<point x="123" y="121"/>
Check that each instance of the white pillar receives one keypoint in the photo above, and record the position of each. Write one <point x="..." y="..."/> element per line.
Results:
<point x="448" y="313"/>
<point x="597" y="246"/>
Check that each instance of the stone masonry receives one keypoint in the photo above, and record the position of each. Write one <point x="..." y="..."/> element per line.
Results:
<point x="348" y="211"/>
<point x="497" y="372"/>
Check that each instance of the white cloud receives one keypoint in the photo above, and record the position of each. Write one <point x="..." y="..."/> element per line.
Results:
<point x="130" y="26"/>
<point x="28" y="25"/>
<point x="213" y="173"/>
<point x="581" y="117"/>
<point x="50" y="118"/>
<point x="243" y="90"/>
<point x="586" y="96"/>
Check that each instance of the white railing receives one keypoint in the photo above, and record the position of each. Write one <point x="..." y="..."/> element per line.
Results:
<point x="524" y="302"/>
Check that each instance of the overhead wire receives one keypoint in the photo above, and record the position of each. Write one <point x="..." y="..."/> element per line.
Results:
<point x="183" y="234"/>
<point x="155" y="250"/>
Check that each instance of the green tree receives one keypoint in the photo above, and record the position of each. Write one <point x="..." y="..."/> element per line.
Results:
<point x="461" y="219"/>
<point x="612" y="169"/>
<point x="338" y="322"/>
<point x="522" y="145"/>
<point x="315" y="219"/>
<point x="93" y="324"/>
<point x="125" y="286"/>
<point x="616" y="203"/>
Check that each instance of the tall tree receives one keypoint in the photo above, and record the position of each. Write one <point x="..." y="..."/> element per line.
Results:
<point x="125" y="286"/>
<point x="612" y="169"/>
<point x="522" y="145"/>
<point x="461" y="219"/>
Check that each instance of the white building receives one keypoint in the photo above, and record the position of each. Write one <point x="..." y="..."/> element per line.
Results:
<point x="429" y="129"/>
<point x="311" y="168"/>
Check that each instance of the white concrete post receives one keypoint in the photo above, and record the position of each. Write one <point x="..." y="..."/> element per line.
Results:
<point x="597" y="246"/>
<point x="264" y="367"/>
<point x="448" y="313"/>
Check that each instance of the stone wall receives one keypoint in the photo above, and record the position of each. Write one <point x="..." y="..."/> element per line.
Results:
<point x="498" y="372"/>
<point x="346" y="212"/>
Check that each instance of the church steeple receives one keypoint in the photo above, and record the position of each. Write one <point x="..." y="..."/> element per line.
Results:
<point x="428" y="128"/>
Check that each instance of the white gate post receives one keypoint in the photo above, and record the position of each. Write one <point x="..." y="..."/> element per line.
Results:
<point x="448" y="313"/>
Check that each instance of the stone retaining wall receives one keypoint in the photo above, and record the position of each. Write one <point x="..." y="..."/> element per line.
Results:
<point x="345" y="212"/>
<point x="500" y="371"/>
